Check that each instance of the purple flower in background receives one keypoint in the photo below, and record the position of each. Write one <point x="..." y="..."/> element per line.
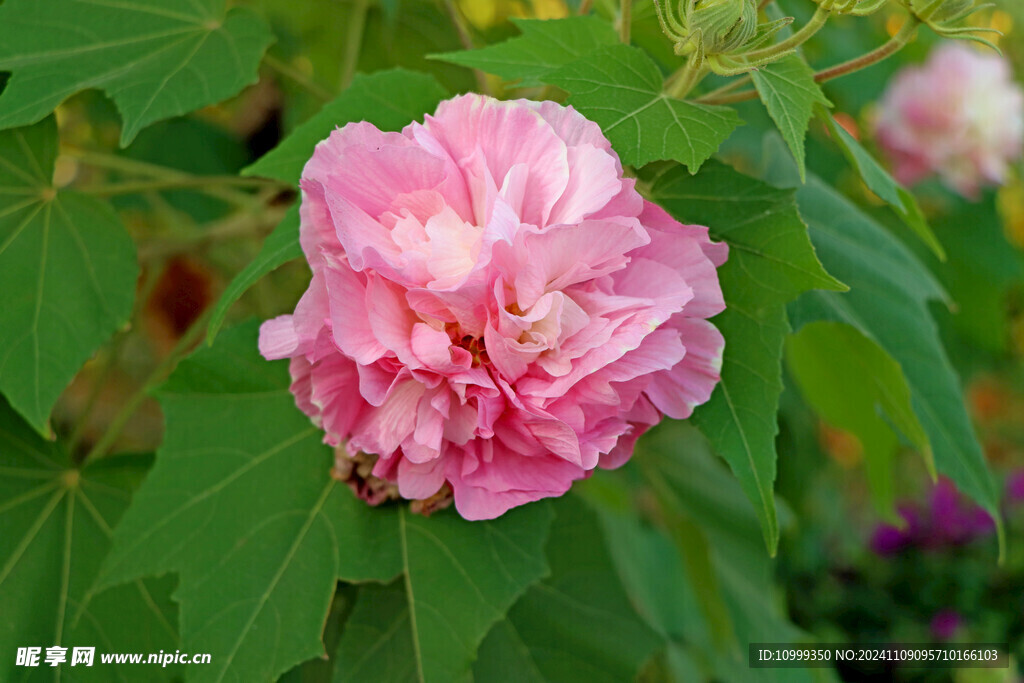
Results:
<point x="945" y="624"/>
<point x="1015" y="488"/>
<point x="948" y="520"/>
<point x="889" y="539"/>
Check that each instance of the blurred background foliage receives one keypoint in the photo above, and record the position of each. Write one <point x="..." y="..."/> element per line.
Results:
<point x="845" y="571"/>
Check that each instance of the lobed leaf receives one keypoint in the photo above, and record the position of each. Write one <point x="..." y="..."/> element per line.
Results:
<point x="67" y="271"/>
<point x="460" y="579"/>
<point x="543" y="47"/>
<point x="771" y="261"/>
<point x="154" y="58"/>
<point x="260" y="532"/>
<point x="620" y="88"/>
<point x="55" y="527"/>
<point x="241" y="506"/>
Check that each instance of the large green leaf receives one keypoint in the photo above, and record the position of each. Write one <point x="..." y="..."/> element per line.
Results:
<point x="280" y="247"/>
<point x="67" y="271"/>
<point x="790" y="93"/>
<point x="388" y="99"/>
<point x="620" y="88"/>
<point x="662" y="583"/>
<point x="578" y="624"/>
<point x="882" y="184"/>
<point x="874" y="396"/>
<point x="241" y="505"/>
<point x="460" y="579"/>
<point x="888" y="303"/>
<point x="260" y="531"/>
<point x="55" y="526"/>
<point x="771" y="261"/>
<point x="544" y="46"/>
<point x="154" y="58"/>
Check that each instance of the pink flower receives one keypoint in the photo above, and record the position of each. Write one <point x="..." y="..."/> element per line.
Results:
<point x="959" y="115"/>
<point x="493" y="306"/>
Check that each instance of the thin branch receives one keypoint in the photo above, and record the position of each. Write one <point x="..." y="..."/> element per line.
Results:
<point x="155" y="377"/>
<point x="883" y="51"/>
<point x="467" y="42"/>
<point x="625" y="20"/>
<point x="353" y="41"/>
<point x="297" y="77"/>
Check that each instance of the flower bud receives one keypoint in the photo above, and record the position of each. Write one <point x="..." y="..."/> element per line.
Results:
<point x="723" y="25"/>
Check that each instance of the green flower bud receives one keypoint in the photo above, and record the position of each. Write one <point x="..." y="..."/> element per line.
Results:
<point x="723" y="25"/>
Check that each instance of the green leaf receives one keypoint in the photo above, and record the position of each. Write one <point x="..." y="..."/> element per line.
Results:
<point x="280" y="247"/>
<point x="789" y="92"/>
<point x="578" y="624"/>
<point x="240" y="503"/>
<point x="260" y="533"/>
<point x="620" y="88"/>
<point x="376" y="644"/>
<point x="543" y="46"/>
<point x="67" y="271"/>
<point x="460" y="579"/>
<point x="679" y="457"/>
<point x="882" y="184"/>
<point x="154" y="58"/>
<point x="874" y="396"/>
<point x="771" y="261"/>
<point x="388" y="99"/>
<point x="888" y="303"/>
<point x="55" y="526"/>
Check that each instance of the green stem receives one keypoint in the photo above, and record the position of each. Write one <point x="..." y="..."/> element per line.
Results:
<point x="149" y="280"/>
<point x="466" y="40"/>
<point x="165" y="174"/>
<point x="200" y="183"/>
<point x="243" y="224"/>
<point x="887" y="49"/>
<point x="625" y="20"/>
<point x="683" y="81"/>
<point x="585" y="6"/>
<point x="298" y="77"/>
<point x="158" y="375"/>
<point x="894" y="45"/>
<point x="353" y="41"/>
<point x="817" y="20"/>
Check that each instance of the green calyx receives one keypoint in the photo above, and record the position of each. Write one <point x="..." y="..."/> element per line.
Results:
<point x="945" y="17"/>
<point x="718" y="33"/>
